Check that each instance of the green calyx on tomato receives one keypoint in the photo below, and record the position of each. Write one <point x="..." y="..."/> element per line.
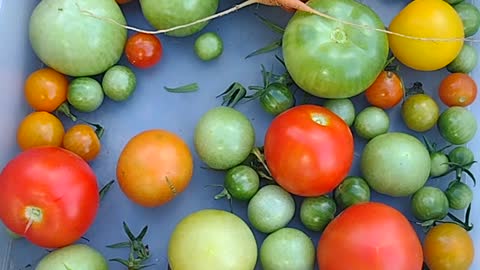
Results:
<point x="363" y="52"/>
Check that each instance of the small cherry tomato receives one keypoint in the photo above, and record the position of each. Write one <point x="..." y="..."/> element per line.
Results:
<point x="457" y="89"/>
<point x="448" y="247"/>
<point x="46" y="89"/>
<point x="143" y="50"/>
<point x="40" y="129"/>
<point x="83" y="140"/>
<point x="386" y="92"/>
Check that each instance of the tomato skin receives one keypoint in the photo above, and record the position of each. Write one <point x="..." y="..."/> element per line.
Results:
<point x="369" y="236"/>
<point x="143" y="50"/>
<point x="82" y="140"/>
<point x="448" y="247"/>
<point x="154" y="167"/>
<point x="60" y="184"/>
<point x="386" y="92"/>
<point x="40" y="129"/>
<point x="428" y="19"/>
<point x="457" y="89"/>
<point x="305" y="157"/>
<point x="46" y="89"/>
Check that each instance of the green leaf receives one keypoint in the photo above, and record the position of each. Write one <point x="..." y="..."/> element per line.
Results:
<point x="122" y="261"/>
<point x="120" y="245"/>
<point x="128" y="232"/>
<point x="142" y="234"/>
<point x="192" y="87"/>
<point x="268" y="48"/>
<point x="275" y="27"/>
<point x="105" y="189"/>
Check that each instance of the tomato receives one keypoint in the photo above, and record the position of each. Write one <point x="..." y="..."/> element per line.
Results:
<point x="309" y="150"/>
<point x="46" y="89"/>
<point x="457" y="89"/>
<point x="459" y="195"/>
<point x="462" y="155"/>
<point x="287" y="249"/>
<point x="154" y="166"/>
<point x="371" y="122"/>
<point x="317" y="212"/>
<point x="386" y="91"/>
<point x="352" y="190"/>
<point x="342" y="107"/>
<point x="457" y="125"/>
<point x="242" y="182"/>
<point x="396" y="164"/>
<point x="420" y="112"/>
<point x="270" y="209"/>
<point x="465" y="61"/>
<point x="276" y="98"/>
<point x="143" y="50"/>
<point x="350" y="58"/>
<point x="208" y="46"/>
<point x="439" y="164"/>
<point x="40" y="129"/>
<point x="448" y="247"/>
<point x="429" y="203"/>
<point x="163" y="14"/>
<point x="82" y="140"/>
<point x="76" y="256"/>
<point x="85" y="94"/>
<point x="470" y="16"/>
<point x="195" y="242"/>
<point x="223" y="138"/>
<point x="426" y="19"/>
<point x="49" y="196"/>
<point x="119" y="83"/>
<point x="369" y="236"/>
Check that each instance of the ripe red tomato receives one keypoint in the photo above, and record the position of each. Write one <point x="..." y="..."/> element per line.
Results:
<point x="49" y="195"/>
<point x="143" y="50"/>
<point x="309" y="150"/>
<point x="370" y="236"/>
<point x="457" y="89"/>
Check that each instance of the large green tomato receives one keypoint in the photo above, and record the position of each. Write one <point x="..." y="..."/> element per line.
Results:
<point x="74" y="257"/>
<point x="163" y="14"/>
<point x="329" y="59"/>
<point x="211" y="239"/>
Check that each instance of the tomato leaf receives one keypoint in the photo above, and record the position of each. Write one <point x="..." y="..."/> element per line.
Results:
<point x="105" y="189"/>
<point x="65" y="110"/>
<point x="275" y="27"/>
<point x="192" y="87"/>
<point x="119" y="245"/>
<point x="267" y="48"/>
<point x="234" y="93"/>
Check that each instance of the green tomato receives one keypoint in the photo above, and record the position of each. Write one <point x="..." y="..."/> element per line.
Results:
<point x="459" y="195"/>
<point x="395" y="164"/>
<point x="429" y="203"/>
<point x="439" y="164"/>
<point x="462" y="155"/>
<point x="457" y="125"/>
<point x="119" y="83"/>
<point x="371" y="122"/>
<point x="351" y="191"/>
<point x="85" y="94"/>
<point x="163" y="14"/>
<point x="242" y="182"/>
<point x="211" y="239"/>
<point x="73" y="257"/>
<point x="277" y="98"/>
<point x="317" y="212"/>
<point x="287" y="249"/>
<point x="223" y="138"/>
<point x="74" y="44"/>
<point x="270" y="209"/>
<point x="342" y="107"/>
<point x="470" y="16"/>
<point x="331" y="60"/>
<point x="420" y="112"/>
<point x="465" y="61"/>
<point x="208" y="46"/>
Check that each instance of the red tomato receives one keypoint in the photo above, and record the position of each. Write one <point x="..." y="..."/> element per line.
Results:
<point x="143" y="50"/>
<point x="386" y="91"/>
<point x="457" y="89"/>
<point x="370" y="236"/>
<point x="309" y="150"/>
<point x="49" y="195"/>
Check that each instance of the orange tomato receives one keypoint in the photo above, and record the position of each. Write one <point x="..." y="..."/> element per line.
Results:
<point x="448" y="247"/>
<point x="386" y="92"/>
<point x="46" y="89"/>
<point x="154" y="167"/>
<point x="40" y="129"/>
<point x="82" y="140"/>
<point x="457" y="89"/>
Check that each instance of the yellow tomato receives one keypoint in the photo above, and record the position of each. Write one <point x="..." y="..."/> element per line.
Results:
<point x="426" y="19"/>
<point x="448" y="247"/>
<point x="40" y="129"/>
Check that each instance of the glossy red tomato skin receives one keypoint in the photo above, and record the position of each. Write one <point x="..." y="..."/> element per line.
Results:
<point x="307" y="158"/>
<point x="370" y="236"/>
<point x="57" y="182"/>
<point x="143" y="50"/>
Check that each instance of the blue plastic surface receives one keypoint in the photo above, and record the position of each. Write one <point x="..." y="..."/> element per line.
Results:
<point x="153" y="107"/>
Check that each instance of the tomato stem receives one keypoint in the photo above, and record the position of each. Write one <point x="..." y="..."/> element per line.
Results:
<point x="65" y="110"/>
<point x="32" y="214"/>
<point x="105" y="189"/>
